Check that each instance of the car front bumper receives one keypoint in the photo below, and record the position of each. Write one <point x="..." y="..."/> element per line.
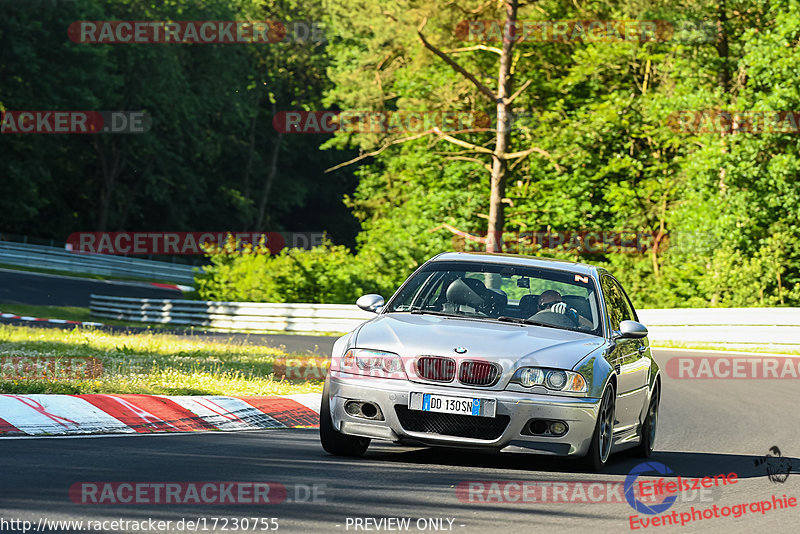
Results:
<point x="579" y="413"/>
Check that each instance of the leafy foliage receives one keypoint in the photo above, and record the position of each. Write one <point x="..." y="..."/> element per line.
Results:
<point x="722" y="208"/>
<point x="206" y="162"/>
<point x="244" y="273"/>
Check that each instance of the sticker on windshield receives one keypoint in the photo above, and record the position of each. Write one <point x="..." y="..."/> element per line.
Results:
<point x="584" y="279"/>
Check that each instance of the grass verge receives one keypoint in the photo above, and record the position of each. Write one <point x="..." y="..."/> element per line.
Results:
<point x="149" y="363"/>
<point x="83" y="314"/>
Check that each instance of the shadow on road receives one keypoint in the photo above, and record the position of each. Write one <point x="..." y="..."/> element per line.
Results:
<point x="683" y="464"/>
<point x="389" y="480"/>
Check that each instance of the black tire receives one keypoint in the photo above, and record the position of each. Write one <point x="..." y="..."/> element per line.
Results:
<point x="645" y="447"/>
<point x="600" y="447"/>
<point x="332" y="440"/>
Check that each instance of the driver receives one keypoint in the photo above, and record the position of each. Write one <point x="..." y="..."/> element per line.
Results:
<point x="551" y="300"/>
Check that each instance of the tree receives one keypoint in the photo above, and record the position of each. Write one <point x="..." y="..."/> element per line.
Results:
<point x="502" y="98"/>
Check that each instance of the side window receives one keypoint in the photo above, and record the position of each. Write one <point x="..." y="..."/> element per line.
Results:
<point x="616" y="303"/>
<point x="629" y="314"/>
<point x="431" y="293"/>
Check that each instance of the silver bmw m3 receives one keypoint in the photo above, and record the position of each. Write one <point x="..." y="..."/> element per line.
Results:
<point x="499" y="352"/>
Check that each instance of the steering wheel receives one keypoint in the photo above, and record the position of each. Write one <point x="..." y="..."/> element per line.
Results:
<point x="555" y="319"/>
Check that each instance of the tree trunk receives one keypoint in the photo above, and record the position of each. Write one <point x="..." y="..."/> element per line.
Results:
<point x="723" y="75"/>
<point x="110" y="172"/>
<point x="251" y="149"/>
<point x="497" y="218"/>
<point x="273" y="169"/>
<point x="130" y="198"/>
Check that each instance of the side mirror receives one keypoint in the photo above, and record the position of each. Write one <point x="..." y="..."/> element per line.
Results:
<point x="630" y="330"/>
<point x="370" y="302"/>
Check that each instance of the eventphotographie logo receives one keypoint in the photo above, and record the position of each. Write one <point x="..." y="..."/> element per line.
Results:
<point x="655" y="496"/>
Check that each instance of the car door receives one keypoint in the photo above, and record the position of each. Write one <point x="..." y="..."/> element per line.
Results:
<point x="639" y="364"/>
<point x="628" y="357"/>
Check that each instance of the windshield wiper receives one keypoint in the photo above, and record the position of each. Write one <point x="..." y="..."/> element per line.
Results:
<point x="418" y="311"/>
<point x="517" y="320"/>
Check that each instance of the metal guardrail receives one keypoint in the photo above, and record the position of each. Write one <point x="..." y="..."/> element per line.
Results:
<point x="706" y="325"/>
<point x="322" y="318"/>
<point x="745" y="326"/>
<point x="28" y="255"/>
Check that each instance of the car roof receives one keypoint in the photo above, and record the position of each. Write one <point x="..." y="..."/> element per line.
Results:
<point x="520" y="260"/>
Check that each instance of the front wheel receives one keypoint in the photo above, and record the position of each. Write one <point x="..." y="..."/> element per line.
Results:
<point x="332" y="440"/>
<point x="648" y="437"/>
<point x="600" y="448"/>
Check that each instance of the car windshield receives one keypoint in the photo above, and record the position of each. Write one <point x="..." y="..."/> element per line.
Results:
<point x="508" y="293"/>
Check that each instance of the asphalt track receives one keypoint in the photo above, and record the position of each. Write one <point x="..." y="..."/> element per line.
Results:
<point x="706" y="428"/>
<point x="52" y="290"/>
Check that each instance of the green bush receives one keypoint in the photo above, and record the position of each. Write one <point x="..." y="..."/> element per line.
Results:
<point x="247" y="273"/>
<point x="724" y="276"/>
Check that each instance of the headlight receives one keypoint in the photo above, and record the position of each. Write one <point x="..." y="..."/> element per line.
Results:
<point x="554" y="379"/>
<point x="530" y="376"/>
<point x="373" y="363"/>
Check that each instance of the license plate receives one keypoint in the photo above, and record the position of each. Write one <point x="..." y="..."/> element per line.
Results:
<point x="429" y="402"/>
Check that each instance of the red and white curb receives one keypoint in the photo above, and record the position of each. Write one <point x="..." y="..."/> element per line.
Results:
<point x="176" y="287"/>
<point x="40" y="320"/>
<point x="51" y="415"/>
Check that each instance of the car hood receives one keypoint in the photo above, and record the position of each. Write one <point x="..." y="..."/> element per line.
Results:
<point x="511" y="345"/>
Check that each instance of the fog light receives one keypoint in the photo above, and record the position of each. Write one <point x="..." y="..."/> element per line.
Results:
<point x="558" y="428"/>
